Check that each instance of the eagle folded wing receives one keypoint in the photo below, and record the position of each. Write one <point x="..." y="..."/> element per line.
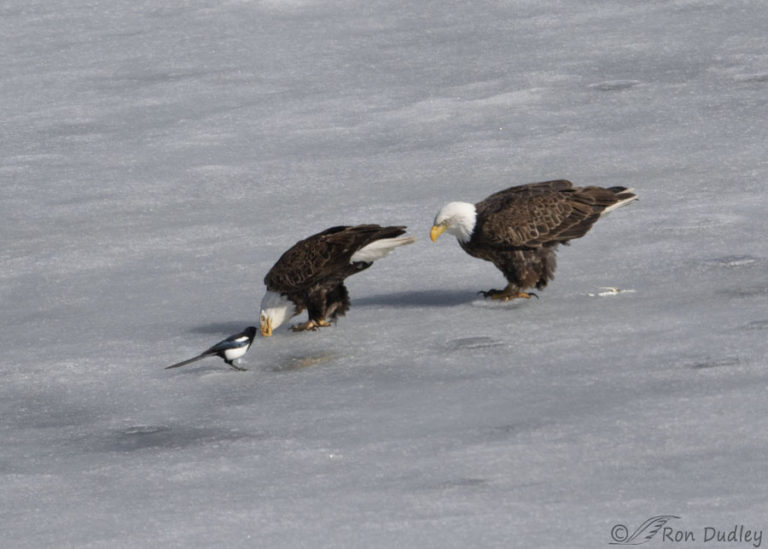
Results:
<point x="541" y="214"/>
<point x="323" y="256"/>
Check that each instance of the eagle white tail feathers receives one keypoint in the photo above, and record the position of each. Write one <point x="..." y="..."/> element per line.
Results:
<point x="624" y="195"/>
<point x="380" y="248"/>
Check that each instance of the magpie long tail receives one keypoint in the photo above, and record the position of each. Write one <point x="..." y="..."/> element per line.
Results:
<point x="185" y="362"/>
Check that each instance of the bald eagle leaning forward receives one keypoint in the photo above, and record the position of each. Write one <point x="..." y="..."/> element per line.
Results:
<point x="519" y="229"/>
<point x="311" y="274"/>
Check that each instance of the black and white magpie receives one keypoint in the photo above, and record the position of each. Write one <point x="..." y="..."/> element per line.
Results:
<point x="229" y="349"/>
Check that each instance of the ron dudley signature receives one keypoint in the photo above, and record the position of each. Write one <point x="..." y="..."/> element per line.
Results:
<point x="659" y="529"/>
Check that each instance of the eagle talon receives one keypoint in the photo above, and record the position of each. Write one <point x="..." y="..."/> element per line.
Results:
<point x="507" y="294"/>
<point x="490" y="293"/>
<point x="304" y="327"/>
<point x="310" y="325"/>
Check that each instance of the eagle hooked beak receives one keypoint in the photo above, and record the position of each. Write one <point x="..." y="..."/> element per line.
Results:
<point x="436" y="231"/>
<point x="265" y="325"/>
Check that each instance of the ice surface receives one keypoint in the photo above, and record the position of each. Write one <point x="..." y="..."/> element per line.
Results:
<point x="156" y="160"/>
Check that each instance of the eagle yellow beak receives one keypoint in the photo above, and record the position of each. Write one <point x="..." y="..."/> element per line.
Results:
<point x="265" y="326"/>
<point x="436" y="231"/>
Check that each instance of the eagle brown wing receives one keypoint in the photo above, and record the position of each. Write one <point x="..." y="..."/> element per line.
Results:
<point x="539" y="214"/>
<point x="324" y="257"/>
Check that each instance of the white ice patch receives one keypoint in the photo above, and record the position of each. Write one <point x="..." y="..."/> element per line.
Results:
<point x="606" y="291"/>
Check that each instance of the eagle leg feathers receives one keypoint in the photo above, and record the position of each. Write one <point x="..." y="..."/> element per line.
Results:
<point x="337" y="302"/>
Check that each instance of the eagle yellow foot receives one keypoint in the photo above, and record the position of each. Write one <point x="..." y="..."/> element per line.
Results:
<point x="508" y="293"/>
<point x="310" y="325"/>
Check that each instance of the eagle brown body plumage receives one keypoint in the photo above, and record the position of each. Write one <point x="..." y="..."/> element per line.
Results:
<point x="312" y="272"/>
<point x="519" y="229"/>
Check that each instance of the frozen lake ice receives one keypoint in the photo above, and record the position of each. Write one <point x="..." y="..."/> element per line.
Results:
<point x="157" y="160"/>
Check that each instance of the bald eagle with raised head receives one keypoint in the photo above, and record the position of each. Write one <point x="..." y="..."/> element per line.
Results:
<point x="311" y="274"/>
<point x="519" y="229"/>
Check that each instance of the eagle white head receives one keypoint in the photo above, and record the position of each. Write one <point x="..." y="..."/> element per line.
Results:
<point x="275" y="309"/>
<point x="456" y="218"/>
